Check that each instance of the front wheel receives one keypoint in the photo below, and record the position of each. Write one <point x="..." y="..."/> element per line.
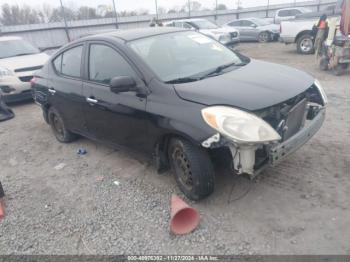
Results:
<point x="305" y="44"/>
<point x="193" y="168"/>
<point x="264" y="37"/>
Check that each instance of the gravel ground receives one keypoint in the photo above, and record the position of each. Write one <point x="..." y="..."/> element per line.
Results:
<point x="62" y="203"/>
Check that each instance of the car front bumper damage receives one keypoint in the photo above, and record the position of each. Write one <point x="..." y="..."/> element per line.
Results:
<point x="282" y="150"/>
<point x="244" y="158"/>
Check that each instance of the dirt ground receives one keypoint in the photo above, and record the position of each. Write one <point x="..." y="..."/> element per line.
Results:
<point x="62" y="203"/>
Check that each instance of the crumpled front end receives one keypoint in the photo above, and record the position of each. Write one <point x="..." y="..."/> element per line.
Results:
<point x="295" y="120"/>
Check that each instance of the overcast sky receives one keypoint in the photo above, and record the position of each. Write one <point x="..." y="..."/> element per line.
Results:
<point x="142" y="4"/>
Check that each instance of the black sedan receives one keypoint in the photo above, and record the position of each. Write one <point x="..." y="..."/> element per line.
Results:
<point x="179" y="95"/>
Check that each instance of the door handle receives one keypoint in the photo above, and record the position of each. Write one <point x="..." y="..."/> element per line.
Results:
<point x="91" y="100"/>
<point x="52" y="91"/>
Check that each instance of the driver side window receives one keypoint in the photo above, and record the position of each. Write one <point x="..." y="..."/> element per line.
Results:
<point x="106" y="63"/>
<point x="187" y="26"/>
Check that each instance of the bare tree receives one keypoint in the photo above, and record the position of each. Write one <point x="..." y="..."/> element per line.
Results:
<point x="195" y="6"/>
<point x="85" y="12"/>
<point x="161" y="10"/>
<point x="57" y="14"/>
<point x="16" y="15"/>
<point x="222" y="7"/>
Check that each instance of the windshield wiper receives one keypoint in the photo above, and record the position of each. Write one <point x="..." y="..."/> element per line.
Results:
<point x="219" y="69"/>
<point x="183" y="80"/>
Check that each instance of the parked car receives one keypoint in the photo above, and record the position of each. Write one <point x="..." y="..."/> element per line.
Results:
<point x="299" y="31"/>
<point x="255" y="29"/>
<point x="289" y="13"/>
<point x="226" y="36"/>
<point x="178" y="95"/>
<point x="18" y="61"/>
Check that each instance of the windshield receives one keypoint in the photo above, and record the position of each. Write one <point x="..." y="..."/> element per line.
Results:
<point x="260" y="22"/>
<point x="16" y="47"/>
<point x="203" y="24"/>
<point x="183" y="54"/>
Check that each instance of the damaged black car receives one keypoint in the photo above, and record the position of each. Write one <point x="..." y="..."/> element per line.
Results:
<point x="179" y="95"/>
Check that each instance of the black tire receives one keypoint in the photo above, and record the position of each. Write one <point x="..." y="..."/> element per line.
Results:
<point x="264" y="37"/>
<point x="324" y="61"/>
<point x="59" y="128"/>
<point x="305" y="44"/>
<point x="340" y="69"/>
<point x="194" y="172"/>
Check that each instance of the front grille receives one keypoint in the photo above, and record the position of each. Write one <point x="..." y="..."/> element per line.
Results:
<point x="25" y="69"/>
<point x="25" y="78"/>
<point x="234" y="34"/>
<point x="295" y="119"/>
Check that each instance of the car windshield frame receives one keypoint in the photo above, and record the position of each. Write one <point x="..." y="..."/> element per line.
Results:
<point x="16" y="47"/>
<point x="198" y="71"/>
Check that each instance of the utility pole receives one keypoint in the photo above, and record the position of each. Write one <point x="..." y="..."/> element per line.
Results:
<point x="268" y="8"/>
<point x="189" y="8"/>
<point x="156" y="9"/>
<point x="116" y="15"/>
<point x="216" y="10"/>
<point x="65" y="21"/>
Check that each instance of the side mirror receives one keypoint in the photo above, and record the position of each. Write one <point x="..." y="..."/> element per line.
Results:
<point x="121" y="84"/>
<point x="254" y="25"/>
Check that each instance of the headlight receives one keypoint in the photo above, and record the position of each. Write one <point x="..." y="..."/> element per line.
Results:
<point x="322" y="92"/>
<point x="240" y="126"/>
<point x="5" y="72"/>
<point x="225" y="39"/>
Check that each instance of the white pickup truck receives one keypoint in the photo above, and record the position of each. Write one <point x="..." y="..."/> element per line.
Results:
<point x="299" y="30"/>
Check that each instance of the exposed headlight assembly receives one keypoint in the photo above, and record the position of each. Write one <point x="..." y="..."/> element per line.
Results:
<point x="238" y="125"/>
<point x="5" y="72"/>
<point x="322" y="92"/>
<point x="225" y="39"/>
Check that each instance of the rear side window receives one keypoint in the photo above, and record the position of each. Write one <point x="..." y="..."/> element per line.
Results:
<point x="295" y="12"/>
<point x="284" y="13"/>
<point x="57" y="64"/>
<point x="247" y="23"/>
<point x="106" y="63"/>
<point x="235" y="23"/>
<point x="71" y="61"/>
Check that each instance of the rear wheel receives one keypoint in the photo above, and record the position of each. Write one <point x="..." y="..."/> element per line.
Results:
<point x="340" y="69"/>
<point x="59" y="128"/>
<point x="193" y="168"/>
<point x="305" y="44"/>
<point x="264" y="37"/>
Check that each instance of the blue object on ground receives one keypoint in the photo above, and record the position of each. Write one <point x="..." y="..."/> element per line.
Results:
<point x="81" y="151"/>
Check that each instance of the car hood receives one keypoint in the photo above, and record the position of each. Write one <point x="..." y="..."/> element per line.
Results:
<point x="254" y="86"/>
<point x="25" y="61"/>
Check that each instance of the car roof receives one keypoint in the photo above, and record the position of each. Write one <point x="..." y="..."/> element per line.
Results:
<point x="9" y="38"/>
<point x="137" y="33"/>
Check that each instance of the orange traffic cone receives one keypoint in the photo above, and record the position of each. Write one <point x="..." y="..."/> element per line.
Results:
<point x="183" y="218"/>
<point x="2" y="209"/>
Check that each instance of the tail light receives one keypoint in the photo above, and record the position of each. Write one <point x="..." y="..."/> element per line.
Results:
<point x="281" y="28"/>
